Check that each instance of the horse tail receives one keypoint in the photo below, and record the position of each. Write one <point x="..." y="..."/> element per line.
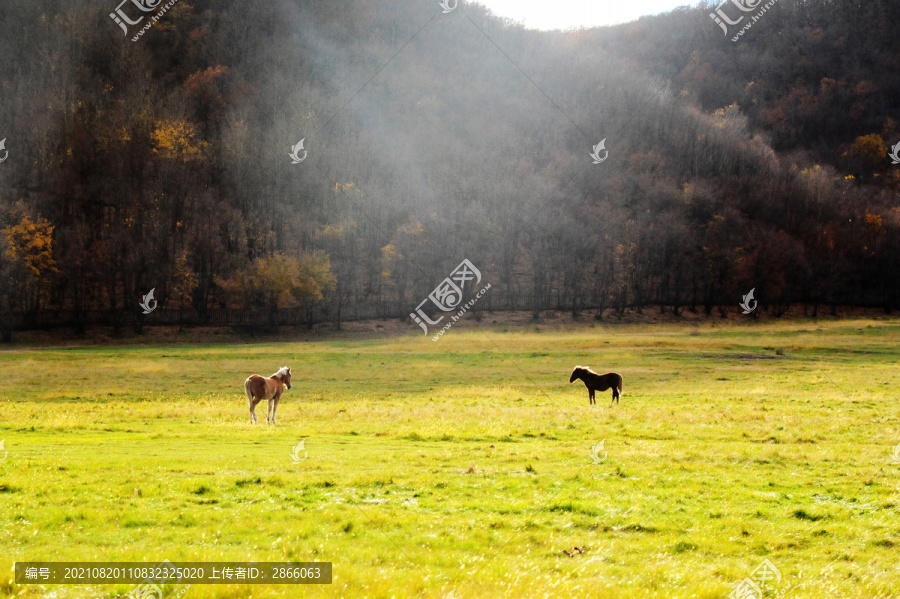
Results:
<point x="620" y="384"/>
<point x="247" y="389"/>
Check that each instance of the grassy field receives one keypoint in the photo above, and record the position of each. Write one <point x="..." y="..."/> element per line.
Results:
<point x="463" y="467"/>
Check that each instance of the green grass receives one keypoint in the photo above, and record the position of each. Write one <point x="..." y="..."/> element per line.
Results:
<point x="464" y="465"/>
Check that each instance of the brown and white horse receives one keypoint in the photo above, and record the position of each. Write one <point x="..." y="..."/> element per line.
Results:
<point x="598" y="382"/>
<point x="259" y="388"/>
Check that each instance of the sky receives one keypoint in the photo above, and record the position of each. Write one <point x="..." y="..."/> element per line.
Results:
<point x="572" y="14"/>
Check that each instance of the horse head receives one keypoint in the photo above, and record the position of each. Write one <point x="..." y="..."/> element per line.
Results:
<point x="284" y="375"/>
<point x="576" y="374"/>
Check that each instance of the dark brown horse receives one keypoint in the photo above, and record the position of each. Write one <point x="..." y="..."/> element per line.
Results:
<point x="259" y="388"/>
<point x="598" y="382"/>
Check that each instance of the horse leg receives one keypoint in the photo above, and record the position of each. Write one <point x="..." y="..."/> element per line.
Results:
<point x="591" y="397"/>
<point x="253" y="401"/>
<point x="269" y="412"/>
<point x="274" y="409"/>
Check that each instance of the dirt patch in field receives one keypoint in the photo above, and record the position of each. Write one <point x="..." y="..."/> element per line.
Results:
<point x="746" y="357"/>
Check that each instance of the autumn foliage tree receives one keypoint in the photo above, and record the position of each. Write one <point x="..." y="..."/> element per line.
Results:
<point x="868" y="154"/>
<point x="281" y="281"/>
<point x="26" y="267"/>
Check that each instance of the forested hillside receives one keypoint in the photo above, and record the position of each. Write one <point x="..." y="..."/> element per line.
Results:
<point x="163" y="163"/>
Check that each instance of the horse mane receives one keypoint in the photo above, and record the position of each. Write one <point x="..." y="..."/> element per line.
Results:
<point x="282" y="372"/>
<point x="586" y="369"/>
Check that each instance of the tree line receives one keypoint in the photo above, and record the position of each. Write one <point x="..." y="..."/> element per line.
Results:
<point x="164" y="163"/>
